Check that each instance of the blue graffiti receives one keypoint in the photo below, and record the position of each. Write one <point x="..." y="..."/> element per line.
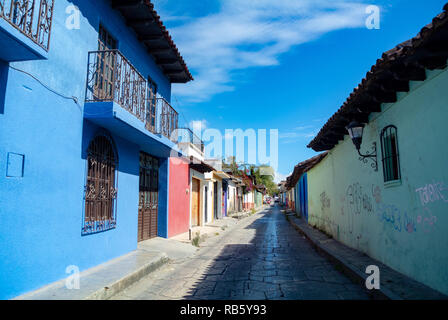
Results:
<point x="390" y="214"/>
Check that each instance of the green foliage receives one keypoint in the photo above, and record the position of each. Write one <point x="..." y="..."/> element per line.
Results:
<point x="197" y="238"/>
<point x="266" y="180"/>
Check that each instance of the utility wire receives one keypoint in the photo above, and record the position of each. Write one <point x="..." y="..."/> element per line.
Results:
<point x="187" y="123"/>
<point x="75" y="99"/>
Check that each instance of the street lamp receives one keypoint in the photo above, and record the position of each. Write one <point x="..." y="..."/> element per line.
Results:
<point x="356" y="130"/>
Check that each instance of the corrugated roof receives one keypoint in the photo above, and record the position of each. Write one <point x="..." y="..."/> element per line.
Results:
<point x="391" y="74"/>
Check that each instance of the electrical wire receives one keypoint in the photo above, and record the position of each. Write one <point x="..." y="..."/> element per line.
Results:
<point x="75" y="99"/>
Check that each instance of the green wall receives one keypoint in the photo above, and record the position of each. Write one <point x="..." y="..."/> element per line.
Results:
<point x="403" y="225"/>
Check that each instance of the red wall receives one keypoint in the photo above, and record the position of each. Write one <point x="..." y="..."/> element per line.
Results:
<point x="179" y="199"/>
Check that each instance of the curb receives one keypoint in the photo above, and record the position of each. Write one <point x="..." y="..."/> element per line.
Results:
<point x="353" y="273"/>
<point x="131" y="278"/>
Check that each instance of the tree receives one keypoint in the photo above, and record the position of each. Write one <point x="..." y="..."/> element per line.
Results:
<point x="230" y="165"/>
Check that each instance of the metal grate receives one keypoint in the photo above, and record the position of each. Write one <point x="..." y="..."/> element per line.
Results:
<point x="111" y="77"/>
<point x="168" y="118"/>
<point x="100" y="190"/>
<point x="33" y="18"/>
<point x="148" y="197"/>
<point x="391" y="157"/>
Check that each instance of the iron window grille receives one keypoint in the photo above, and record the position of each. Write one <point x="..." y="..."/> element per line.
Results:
<point x="100" y="192"/>
<point x="390" y="155"/>
<point x="151" y="109"/>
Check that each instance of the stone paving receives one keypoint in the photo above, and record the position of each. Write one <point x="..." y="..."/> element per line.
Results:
<point x="263" y="257"/>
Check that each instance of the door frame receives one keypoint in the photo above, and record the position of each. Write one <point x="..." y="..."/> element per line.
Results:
<point x="199" y="220"/>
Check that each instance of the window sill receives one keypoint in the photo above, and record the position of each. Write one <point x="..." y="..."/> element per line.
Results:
<point x="391" y="184"/>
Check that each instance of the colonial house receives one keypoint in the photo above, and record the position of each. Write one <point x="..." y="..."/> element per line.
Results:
<point x="234" y="194"/>
<point x="383" y="186"/>
<point x="86" y="141"/>
<point x="282" y="193"/>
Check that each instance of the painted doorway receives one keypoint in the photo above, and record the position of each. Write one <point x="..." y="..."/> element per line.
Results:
<point x="148" y="197"/>
<point x="206" y="204"/>
<point x="195" y="201"/>
<point x="215" y="200"/>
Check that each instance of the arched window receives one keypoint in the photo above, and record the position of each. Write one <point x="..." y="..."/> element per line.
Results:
<point x="100" y="190"/>
<point x="391" y="158"/>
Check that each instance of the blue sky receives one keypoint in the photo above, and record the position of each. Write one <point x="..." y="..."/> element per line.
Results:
<point x="283" y="64"/>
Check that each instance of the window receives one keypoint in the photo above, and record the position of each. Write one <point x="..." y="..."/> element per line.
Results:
<point x="106" y="60"/>
<point x="152" y="104"/>
<point x="389" y="149"/>
<point x="100" y="190"/>
<point x="4" y="69"/>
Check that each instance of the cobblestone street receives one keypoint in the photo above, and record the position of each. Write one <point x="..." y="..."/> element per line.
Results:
<point x="262" y="257"/>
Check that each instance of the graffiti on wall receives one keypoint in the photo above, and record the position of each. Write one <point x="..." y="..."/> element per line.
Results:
<point x="357" y="201"/>
<point x="427" y="220"/>
<point x="433" y="192"/>
<point x="401" y="221"/>
<point x="325" y="201"/>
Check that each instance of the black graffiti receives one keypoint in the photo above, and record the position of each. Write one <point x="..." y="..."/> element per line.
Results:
<point x="357" y="201"/>
<point x="324" y="200"/>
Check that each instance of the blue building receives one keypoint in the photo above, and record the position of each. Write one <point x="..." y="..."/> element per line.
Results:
<point x="85" y="125"/>
<point x="297" y="184"/>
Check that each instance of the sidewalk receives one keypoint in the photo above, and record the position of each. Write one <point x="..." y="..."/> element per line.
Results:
<point x="106" y="280"/>
<point x="394" y="285"/>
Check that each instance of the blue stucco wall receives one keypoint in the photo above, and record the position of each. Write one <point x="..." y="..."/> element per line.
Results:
<point x="41" y="212"/>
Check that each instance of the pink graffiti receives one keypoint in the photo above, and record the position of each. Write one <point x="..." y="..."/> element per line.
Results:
<point x="376" y="192"/>
<point x="427" y="220"/>
<point x="432" y="193"/>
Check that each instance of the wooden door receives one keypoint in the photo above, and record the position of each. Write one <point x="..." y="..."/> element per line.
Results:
<point x="195" y="204"/>
<point x="148" y="197"/>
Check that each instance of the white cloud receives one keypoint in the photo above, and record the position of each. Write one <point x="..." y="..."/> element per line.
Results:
<point x="253" y="33"/>
<point x="279" y="177"/>
<point x="291" y="136"/>
<point x="198" y="125"/>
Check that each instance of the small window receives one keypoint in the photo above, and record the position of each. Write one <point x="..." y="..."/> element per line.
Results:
<point x="391" y="158"/>
<point x="106" y="64"/>
<point x="4" y="70"/>
<point x="100" y="190"/>
<point x="152" y="105"/>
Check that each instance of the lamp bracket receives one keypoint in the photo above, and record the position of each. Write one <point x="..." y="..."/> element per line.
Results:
<point x="370" y="155"/>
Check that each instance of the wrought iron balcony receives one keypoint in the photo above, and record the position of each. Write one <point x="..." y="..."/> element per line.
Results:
<point x="169" y="118"/>
<point x="185" y="135"/>
<point x="33" y="18"/>
<point x="112" y="78"/>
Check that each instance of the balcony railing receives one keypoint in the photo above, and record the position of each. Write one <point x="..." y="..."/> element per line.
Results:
<point x="169" y="118"/>
<point x="31" y="17"/>
<point x="111" y="77"/>
<point x="186" y="135"/>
